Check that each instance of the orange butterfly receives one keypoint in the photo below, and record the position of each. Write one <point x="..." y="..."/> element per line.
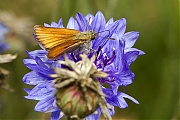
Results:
<point x="58" y="41"/>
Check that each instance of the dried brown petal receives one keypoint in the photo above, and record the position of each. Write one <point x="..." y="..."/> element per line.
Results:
<point x="7" y="58"/>
<point x="3" y="74"/>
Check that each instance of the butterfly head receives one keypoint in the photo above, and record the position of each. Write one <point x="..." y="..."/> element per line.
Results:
<point x="93" y="34"/>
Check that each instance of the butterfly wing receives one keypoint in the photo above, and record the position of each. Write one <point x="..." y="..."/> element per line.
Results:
<point x="50" y="37"/>
<point x="56" y="40"/>
<point x="59" y="50"/>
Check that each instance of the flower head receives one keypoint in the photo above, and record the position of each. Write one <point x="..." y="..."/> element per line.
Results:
<point x="3" y="31"/>
<point x="20" y="31"/>
<point x="113" y="57"/>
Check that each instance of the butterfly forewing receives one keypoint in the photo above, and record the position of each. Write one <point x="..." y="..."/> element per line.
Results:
<point x="50" y="37"/>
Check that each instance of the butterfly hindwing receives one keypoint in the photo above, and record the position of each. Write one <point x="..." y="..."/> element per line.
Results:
<point x="59" y="50"/>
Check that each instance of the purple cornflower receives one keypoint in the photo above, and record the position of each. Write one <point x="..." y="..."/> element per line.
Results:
<point x="3" y="31"/>
<point x="4" y="58"/>
<point x="113" y="57"/>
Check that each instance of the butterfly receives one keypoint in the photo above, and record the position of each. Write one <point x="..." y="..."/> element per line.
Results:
<point x="58" y="41"/>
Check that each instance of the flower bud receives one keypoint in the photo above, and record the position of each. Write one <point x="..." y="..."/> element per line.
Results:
<point x="72" y="101"/>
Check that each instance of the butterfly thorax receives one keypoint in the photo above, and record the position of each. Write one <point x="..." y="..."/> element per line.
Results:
<point x="87" y="35"/>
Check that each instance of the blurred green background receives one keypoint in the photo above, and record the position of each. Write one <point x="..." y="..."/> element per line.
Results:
<point x="156" y="84"/>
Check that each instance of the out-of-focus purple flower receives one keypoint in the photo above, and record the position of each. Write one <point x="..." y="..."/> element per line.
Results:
<point x="113" y="57"/>
<point x="3" y="31"/>
<point x="4" y="58"/>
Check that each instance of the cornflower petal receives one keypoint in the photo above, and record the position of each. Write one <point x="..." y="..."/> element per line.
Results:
<point x="72" y="24"/>
<point x="94" y="116"/>
<point x="40" y="91"/>
<point x="47" y="25"/>
<point x="53" y="24"/>
<point x="43" y="70"/>
<point x="90" y="18"/>
<point x="82" y="23"/>
<point x="27" y="90"/>
<point x="110" y="21"/>
<point x="129" y="97"/>
<point x="130" y="38"/>
<point x="134" y="49"/>
<point x="117" y="99"/>
<point x="131" y="56"/>
<point x="98" y="23"/>
<point x="32" y="78"/>
<point x="45" y="104"/>
<point x="60" y="24"/>
<point x="56" y="115"/>
<point x="121" y="27"/>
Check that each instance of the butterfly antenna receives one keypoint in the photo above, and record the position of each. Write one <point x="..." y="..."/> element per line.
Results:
<point x="108" y="34"/>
